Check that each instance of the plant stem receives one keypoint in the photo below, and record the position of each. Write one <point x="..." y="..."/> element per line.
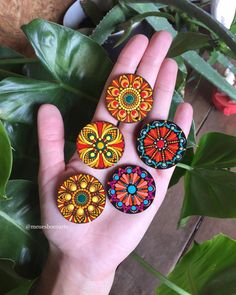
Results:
<point x="184" y="166"/>
<point x="10" y="74"/>
<point x="160" y="276"/>
<point x="13" y="61"/>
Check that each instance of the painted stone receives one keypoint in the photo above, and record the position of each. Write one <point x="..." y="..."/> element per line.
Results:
<point x="161" y="144"/>
<point x="81" y="198"/>
<point x="131" y="189"/>
<point x="129" y="98"/>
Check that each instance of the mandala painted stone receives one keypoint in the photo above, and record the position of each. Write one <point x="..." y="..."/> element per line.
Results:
<point x="131" y="189"/>
<point x="81" y="198"/>
<point x="129" y="98"/>
<point x="100" y="145"/>
<point x="161" y="144"/>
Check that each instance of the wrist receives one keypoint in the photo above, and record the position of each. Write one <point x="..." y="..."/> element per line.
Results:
<point x="62" y="275"/>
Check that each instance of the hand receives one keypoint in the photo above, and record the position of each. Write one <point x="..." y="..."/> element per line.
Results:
<point x="84" y="257"/>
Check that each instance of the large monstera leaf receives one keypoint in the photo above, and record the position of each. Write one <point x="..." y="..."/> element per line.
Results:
<point x="77" y="62"/>
<point x="210" y="187"/>
<point x="71" y="72"/>
<point x="208" y="268"/>
<point x="25" y="247"/>
<point x="79" y="68"/>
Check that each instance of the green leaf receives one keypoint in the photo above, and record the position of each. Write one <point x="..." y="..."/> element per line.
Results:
<point x="10" y="280"/>
<point x="209" y="73"/>
<point x="24" y="143"/>
<point x="209" y="192"/>
<point x="108" y="24"/>
<point x="158" y="23"/>
<point x="186" y="41"/>
<point x="138" y="18"/>
<point x="217" y="56"/>
<point x="208" y="268"/>
<point x="26" y="248"/>
<point x="180" y="172"/>
<point x="201" y="15"/>
<point x="5" y="159"/>
<point x="176" y="100"/>
<point x="10" y="63"/>
<point x="37" y="71"/>
<point x="22" y="289"/>
<point x="157" y="274"/>
<point x="210" y="189"/>
<point x="215" y="150"/>
<point x="182" y="74"/>
<point x="91" y="10"/>
<point x="20" y="98"/>
<point x="75" y="60"/>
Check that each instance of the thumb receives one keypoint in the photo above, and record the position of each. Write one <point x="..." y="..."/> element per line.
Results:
<point x="51" y="143"/>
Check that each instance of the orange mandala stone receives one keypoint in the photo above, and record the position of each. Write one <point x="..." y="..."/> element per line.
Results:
<point x="129" y="98"/>
<point x="81" y="198"/>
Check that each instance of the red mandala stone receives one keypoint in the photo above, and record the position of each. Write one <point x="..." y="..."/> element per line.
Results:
<point x="161" y="144"/>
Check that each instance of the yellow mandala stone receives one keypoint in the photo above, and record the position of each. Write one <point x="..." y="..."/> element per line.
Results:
<point x="129" y="98"/>
<point x="100" y="145"/>
<point x="81" y="198"/>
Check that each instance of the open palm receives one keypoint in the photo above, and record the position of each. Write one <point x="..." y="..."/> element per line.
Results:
<point x="99" y="246"/>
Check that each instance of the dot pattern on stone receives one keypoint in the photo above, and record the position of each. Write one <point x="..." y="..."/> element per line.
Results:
<point x="129" y="98"/>
<point x="161" y="144"/>
<point x="100" y="145"/>
<point x="81" y="198"/>
<point x="131" y="189"/>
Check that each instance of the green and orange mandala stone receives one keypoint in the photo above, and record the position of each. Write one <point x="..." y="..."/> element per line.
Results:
<point x="81" y="198"/>
<point x="129" y="98"/>
<point x="161" y="144"/>
<point x="131" y="189"/>
<point x="100" y="145"/>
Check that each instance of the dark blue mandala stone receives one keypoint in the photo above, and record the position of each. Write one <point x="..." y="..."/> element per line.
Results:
<point x="161" y="144"/>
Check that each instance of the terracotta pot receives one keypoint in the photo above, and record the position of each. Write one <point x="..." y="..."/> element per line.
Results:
<point x="15" y="13"/>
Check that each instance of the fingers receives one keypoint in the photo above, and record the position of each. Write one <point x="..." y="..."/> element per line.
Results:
<point x="150" y="65"/>
<point x="51" y="143"/>
<point x="163" y="90"/>
<point x="154" y="56"/>
<point x="183" y="118"/>
<point x="127" y="62"/>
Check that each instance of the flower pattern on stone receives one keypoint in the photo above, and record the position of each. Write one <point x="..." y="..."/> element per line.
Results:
<point x="129" y="98"/>
<point x="161" y="144"/>
<point x="100" y="145"/>
<point x="131" y="189"/>
<point x="81" y="198"/>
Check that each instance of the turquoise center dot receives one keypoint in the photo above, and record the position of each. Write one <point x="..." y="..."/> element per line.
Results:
<point x="133" y="208"/>
<point x="81" y="198"/>
<point x="132" y="189"/>
<point x="129" y="99"/>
